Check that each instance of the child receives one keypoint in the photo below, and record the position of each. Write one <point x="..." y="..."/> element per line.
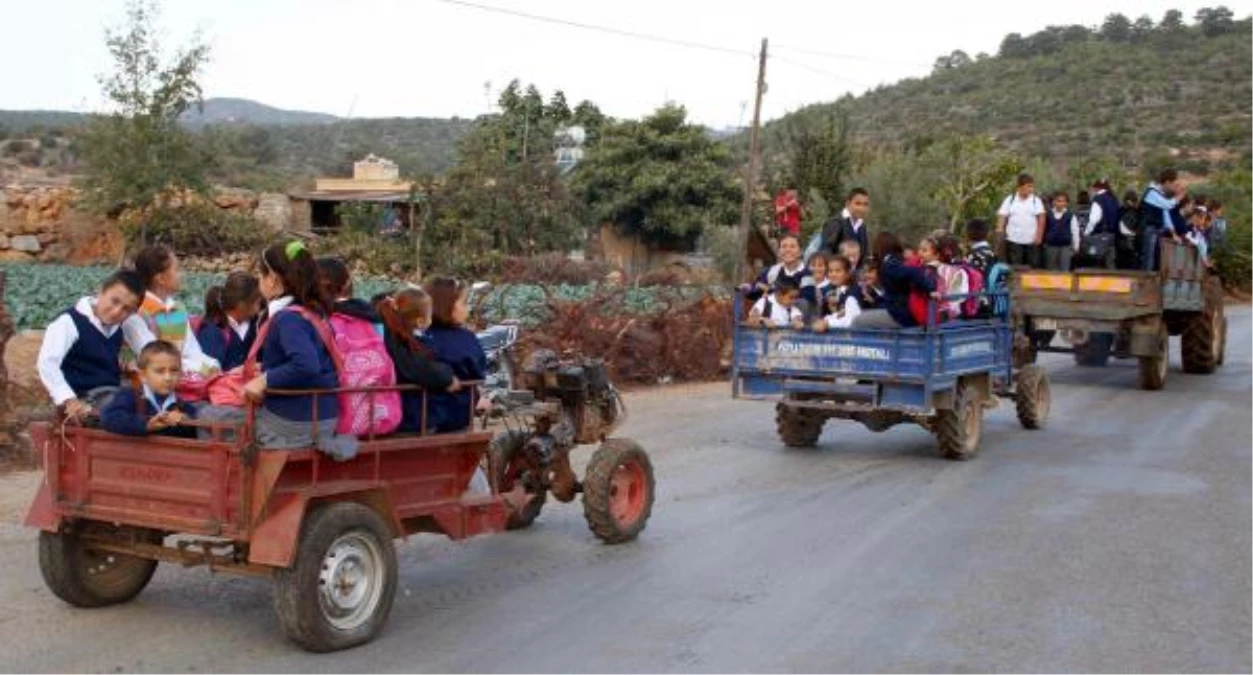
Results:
<point x="981" y="257"/>
<point x="165" y="316"/>
<point x="790" y="266"/>
<point x="909" y="255"/>
<point x="151" y="407"/>
<point x="871" y="291"/>
<point x="817" y="265"/>
<point x="406" y="316"/>
<point x="229" y="327"/>
<point x="295" y="355"/>
<point x="79" y="358"/>
<point x="843" y="303"/>
<point x="778" y="310"/>
<point x="336" y="285"/>
<point x="951" y="278"/>
<point x="457" y="347"/>
<point x="1061" y="234"/>
<point x="1198" y="233"/>
<point x="851" y="249"/>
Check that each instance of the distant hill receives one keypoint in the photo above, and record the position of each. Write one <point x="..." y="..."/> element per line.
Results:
<point x="1126" y="91"/>
<point x="245" y="111"/>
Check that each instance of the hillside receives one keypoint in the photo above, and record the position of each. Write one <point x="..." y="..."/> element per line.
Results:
<point x="1128" y="92"/>
<point x="244" y="111"/>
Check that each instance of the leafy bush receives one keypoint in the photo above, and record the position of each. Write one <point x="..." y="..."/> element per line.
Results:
<point x="197" y="228"/>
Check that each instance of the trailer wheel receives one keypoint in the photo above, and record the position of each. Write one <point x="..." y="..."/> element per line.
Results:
<point x="798" y="428"/>
<point x="1153" y="368"/>
<point x="1203" y="341"/>
<point x="1095" y="352"/>
<point x="958" y="430"/>
<point x="85" y="577"/>
<point x="340" y="589"/>
<point x="512" y="477"/>
<point x="1033" y="398"/>
<point x="618" y="491"/>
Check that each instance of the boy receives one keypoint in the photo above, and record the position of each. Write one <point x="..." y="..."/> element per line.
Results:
<point x="981" y="256"/>
<point x="1156" y="206"/>
<point x="151" y="407"/>
<point x="850" y="249"/>
<point x="843" y="302"/>
<point x="778" y="310"/>
<point x="78" y="360"/>
<point x="871" y="291"/>
<point x="1020" y="222"/>
<point x="1199" y="224"/>
<point x="1061" y="234"/>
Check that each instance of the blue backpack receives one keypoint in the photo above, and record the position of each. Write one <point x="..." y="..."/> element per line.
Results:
<point x="998" y="282"/>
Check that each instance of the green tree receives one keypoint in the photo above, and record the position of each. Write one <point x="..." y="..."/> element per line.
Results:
<point x="1142" y="28"/>
<point x="955" y="59"/>
<point x="138" y="150"/>
<point x="1117" y="28"/>
<point x="975" y="171"/>
<point x="660" y="179"/>
<point x="820" y="157"/>
<point x="1172" y="21"/>
<point x="1215" y="20"/>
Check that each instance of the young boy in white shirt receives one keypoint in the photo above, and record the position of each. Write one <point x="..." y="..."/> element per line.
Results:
<point x="778" y="310"/>
<point x="844" y="298"/>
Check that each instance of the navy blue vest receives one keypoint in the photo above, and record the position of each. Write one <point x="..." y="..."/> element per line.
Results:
<point x="1150" y="216"/>
<point x="1111" y="213"/>
<point x="1057" y="230"/>
<point x="93" y="360"/>
<point x="237" y="349"/>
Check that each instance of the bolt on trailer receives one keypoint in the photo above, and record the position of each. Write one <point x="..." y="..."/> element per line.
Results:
<point x="940" y="376"/>
<point x="1099" y="314"/>
<point x="111" y="507"/>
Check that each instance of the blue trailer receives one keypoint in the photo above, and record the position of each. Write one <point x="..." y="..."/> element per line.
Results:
<point x="940" y="376"/>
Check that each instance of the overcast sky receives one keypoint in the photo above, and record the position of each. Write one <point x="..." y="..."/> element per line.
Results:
<point x="374" y="58"/>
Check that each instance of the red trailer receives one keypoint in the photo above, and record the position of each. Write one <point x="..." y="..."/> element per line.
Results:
<point x="111" y="507"/>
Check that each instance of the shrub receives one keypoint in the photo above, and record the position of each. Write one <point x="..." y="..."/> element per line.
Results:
<point x="194" y="229"/>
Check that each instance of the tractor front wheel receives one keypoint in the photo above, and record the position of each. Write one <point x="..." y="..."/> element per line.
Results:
<point x="798" y="428"/>
<point x="86" y="577"/>
<point x="958" y="430"/>
<point x="340" y="590"/>
<point x="618" y="491"/>
<point x="1153" y="369"/>
<point x="1032" y="400"/>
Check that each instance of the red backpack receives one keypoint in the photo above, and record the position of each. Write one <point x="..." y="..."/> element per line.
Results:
<point x="975" y="283"/>
<point x="918" y="300"/>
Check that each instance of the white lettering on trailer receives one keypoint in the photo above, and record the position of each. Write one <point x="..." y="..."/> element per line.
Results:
<point x="970" y="349"/>
<point x="837" y="350"/>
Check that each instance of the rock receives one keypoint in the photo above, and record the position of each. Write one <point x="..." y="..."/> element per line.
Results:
<point x="46" y="238"/>
<point x="234" y="198"/>
<point x="4" y="241"/>
<point x="26" y="243"/>
<point x="274" y="210"/>
<point x="31" y="223"/>
<point x="15" y="256"/>
<point x="56" y="253"/>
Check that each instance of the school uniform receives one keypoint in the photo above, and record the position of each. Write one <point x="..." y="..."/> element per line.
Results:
<point x="416" y="366"/>
<point x="79" y="354"/>
<point x="981" y="257"/>
<point x="1156" y="219"/>
<point x="842" y="229"/>
<point x="130" y="410"/>
<point x="898" y="280"/>
<point x="771" y="309"/>
<point x="293" y="356"/>
<point x="459" y="349"/>
<point x="228" y="345"/>
<point x="845" y="306"/>
<point x="1020" y="228"/>
<point x="1061" y="239"/>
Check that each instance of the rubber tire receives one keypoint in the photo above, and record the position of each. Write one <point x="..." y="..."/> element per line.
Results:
<point x="296" y="587"/>
<point x="501" y="449"/>
<point x="1202" y="342"/>
<point x="1222" y="342"/>
<point x="598" y="490"/>
<point x="1096" y="351"/>
<point x="950" y="425"/>
<point x="1033" y="398"/>
<point x="798" y="428"/>
<point x="1153" y="369"/>
<point x="64" y="560"/>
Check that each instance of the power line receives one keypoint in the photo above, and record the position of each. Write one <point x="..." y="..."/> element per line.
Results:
<point x="820" y="71"/>
<point x="845" y="57"/>
<point x="603" y="29"/>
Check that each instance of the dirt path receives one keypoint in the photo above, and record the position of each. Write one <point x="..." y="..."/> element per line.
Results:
<point x="1117" y="539"/>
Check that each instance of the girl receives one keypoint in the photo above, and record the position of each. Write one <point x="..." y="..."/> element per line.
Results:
<point x="78" y="359"/>
<point x="843" y="303"/>
<point x="817" y="265"/>
<point x="458" y="348"/>
<point x="165" y="316"/>
<point x="898" y="280"/>
<point x="871" y="291"/>
<point x="790" y="265"/>
<point x="295" y="355"/>
<point x="336" y="284"/>
<point x="937" y="255"/>
<point x="406" y="316"/>
<point x="229" y="328"/>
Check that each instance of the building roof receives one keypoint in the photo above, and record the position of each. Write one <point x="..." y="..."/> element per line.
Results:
<point x="354" y="196"/>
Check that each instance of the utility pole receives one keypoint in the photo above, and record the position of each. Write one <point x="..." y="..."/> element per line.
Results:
<point x="750" y="176"/>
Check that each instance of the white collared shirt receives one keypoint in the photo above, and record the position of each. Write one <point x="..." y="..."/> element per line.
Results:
<point x="780" y="316"/>
<point x="240" y="327"/>
<point x="1021" y="218"/>
<point x="1074" y="226"/>
<point x="849" y="217"/>
<point x="61" y="335"/>
<point x="1095" y="214"/>
<point x="170" y="400"/>
<point x="278" y="304"/>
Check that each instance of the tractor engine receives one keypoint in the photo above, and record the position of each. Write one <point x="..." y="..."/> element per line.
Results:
<point x="588" y="401"/>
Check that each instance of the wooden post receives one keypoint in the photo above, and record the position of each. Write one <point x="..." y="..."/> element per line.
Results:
<point x="750" y="175"/>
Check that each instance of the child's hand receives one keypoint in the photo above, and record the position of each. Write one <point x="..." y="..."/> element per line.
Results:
<point x="820" y="326"/>
<point x="158" y="422"/>
<point x="767" y="323"/>
<point x="76" y="409"/>
<point x="484" y="406"/>
<point x="455" y="386"/>
<point x="798" y="324"/>
<point x="175" y="417"/>
<point x="255" y="389"/>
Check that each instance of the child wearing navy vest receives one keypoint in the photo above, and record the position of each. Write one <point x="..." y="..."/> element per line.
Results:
<point x="406" y="319"/>
<point x="843" y="303"/>
<point x="295" y="355"/>
<point x="459" y="348"/>
<point x="1103" y="221"/>
<point x="790" y="266"/>
<point x="1061" y="234"/>
<point x="79" y="359"/>
<point x="150" y="407"/>
<point x="229" y="328"/>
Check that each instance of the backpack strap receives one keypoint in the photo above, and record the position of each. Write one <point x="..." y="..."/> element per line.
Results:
<point x="324" y="333"/>
<point x="767" y="310"/>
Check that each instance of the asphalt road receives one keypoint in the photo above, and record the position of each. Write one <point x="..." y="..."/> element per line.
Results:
<point x="1116" y="539"/>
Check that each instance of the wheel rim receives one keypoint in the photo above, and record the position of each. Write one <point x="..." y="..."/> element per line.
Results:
<point x="350" y="584"/>
<point x="628" y="488"/>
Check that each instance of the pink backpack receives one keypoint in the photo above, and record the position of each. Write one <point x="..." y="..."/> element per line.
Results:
<point x="975" y="283"/>
<point x="364" y="362"/>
